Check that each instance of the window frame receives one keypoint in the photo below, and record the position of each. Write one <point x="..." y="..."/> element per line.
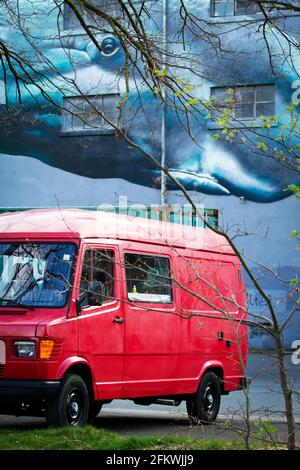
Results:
<point x="104" y="127"/>
<point x="241" y="16"/>
<point x="243" y="122"/>
<point x="151" y="255"/>
<point x="86" y="16"/>
<point x="213" y="8"/>
<point x="91" y="249"/>
<point x="79" y="30"/>
<point x="245" y="13"/>
<point x="69" y="294"/>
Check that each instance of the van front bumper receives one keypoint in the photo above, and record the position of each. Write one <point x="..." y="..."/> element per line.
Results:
<point x="12" y="391"/>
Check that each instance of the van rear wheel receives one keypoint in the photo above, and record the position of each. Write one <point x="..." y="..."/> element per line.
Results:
<point x="70" y="405"/>
<point x="203" y="407"/>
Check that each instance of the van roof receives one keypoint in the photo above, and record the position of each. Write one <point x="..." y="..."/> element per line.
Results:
<point x="78" y="224"/>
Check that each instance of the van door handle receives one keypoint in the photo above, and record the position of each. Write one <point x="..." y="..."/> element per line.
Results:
<point x="119" y="320"/>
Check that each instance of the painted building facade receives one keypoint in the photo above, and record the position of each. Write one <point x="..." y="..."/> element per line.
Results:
<point x="70" y="156"/>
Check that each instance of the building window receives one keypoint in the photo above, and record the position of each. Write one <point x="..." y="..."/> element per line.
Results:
<point x="222" y="8"/>
<point x="246" y="7"/>
<point x="234" y="7"/>
<point x="88" y="113"/>
<point x="111" y="7"/>
<point x="248" y="102"/>
<point x="92" y="19"/>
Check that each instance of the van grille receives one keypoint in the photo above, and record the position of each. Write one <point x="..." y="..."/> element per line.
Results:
<point x="2" y="366"/>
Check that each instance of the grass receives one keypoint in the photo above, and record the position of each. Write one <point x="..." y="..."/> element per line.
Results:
<point x="91" y="438"/>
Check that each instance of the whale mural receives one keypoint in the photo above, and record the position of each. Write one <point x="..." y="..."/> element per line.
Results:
<point x="201" y="163"/>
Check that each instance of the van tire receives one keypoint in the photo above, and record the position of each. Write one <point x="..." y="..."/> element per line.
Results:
<point x="203" y="407"/>
<point x="70" y="405"/>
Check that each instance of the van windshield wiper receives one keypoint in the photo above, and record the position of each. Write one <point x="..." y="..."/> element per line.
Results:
<point x="14" y="304"/>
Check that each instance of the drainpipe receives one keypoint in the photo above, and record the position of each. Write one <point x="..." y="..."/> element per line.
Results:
<point x="163" y="191"/>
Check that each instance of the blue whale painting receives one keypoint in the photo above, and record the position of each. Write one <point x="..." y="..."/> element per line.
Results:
<point x="202" y="164"/>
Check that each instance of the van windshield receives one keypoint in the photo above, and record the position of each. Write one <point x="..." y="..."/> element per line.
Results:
<point x="35" y="274"/>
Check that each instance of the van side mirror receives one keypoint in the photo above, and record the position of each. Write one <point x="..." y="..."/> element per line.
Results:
<point x="91" y="294"/>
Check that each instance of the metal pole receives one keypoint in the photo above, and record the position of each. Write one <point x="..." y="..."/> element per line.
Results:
<point x="164" y="110"/>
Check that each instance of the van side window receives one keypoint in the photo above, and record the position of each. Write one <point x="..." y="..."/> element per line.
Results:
<point x="148" y="278"/>
<point x="97" y="271"/>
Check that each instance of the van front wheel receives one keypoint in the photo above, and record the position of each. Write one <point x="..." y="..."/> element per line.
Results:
<point x="203" y="407"/>
<point x="70" y="406"/>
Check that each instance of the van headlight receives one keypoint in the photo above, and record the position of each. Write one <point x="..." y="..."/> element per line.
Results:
<point x="24" y="349"/>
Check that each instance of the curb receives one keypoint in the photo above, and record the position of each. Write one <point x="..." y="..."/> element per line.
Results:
<point x="182" y="417"/>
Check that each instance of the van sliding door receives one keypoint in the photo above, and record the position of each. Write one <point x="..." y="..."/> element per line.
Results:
<point x="152" y="334"/>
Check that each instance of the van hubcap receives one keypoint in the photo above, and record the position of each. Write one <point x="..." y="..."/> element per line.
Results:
<point x="74" y="408"/>
<point x="209" y="399"/>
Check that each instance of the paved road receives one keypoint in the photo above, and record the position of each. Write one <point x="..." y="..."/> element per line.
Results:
<point x="265" y="401"/>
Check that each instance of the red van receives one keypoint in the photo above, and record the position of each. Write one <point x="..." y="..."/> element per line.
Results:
<point x="97" y="306"/>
